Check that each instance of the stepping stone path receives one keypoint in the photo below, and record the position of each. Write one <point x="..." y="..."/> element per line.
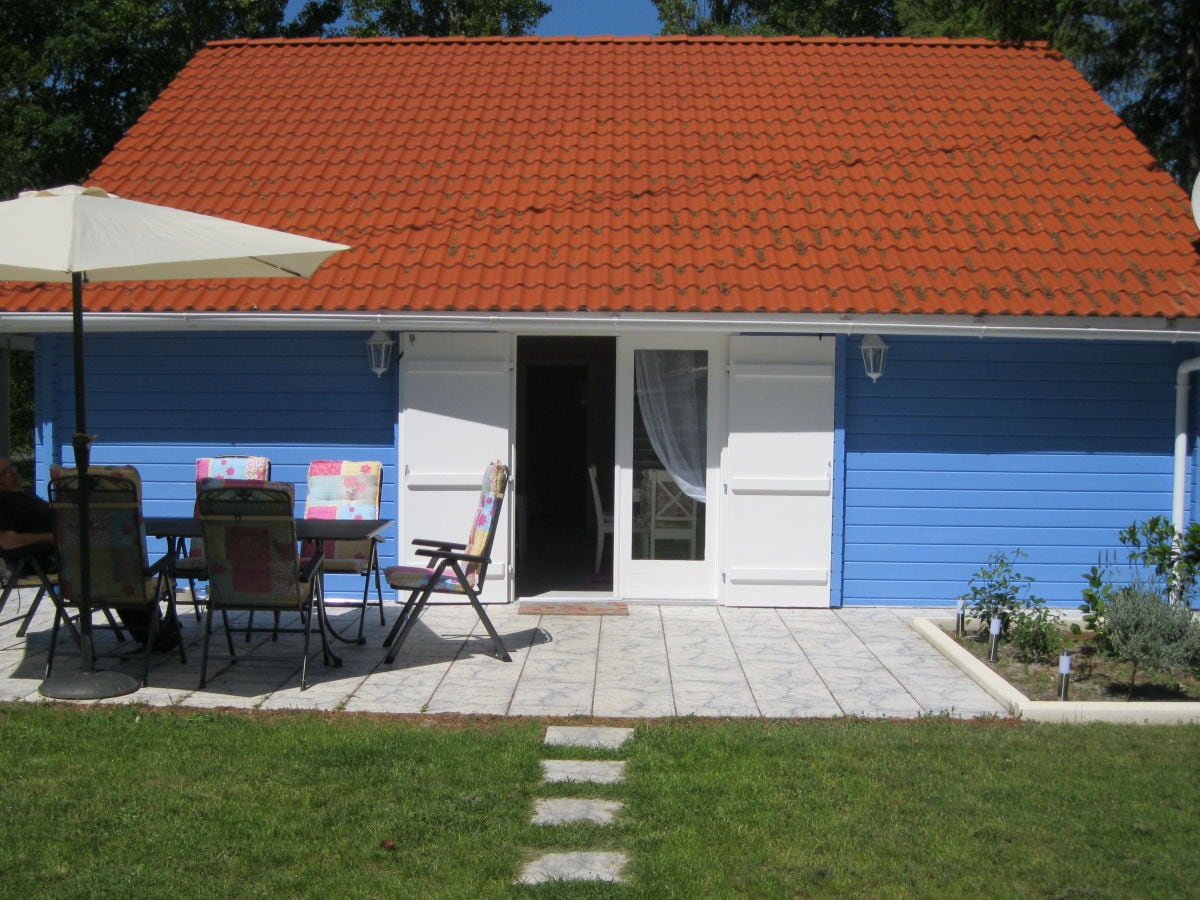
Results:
<point x="599" y="772"/>
<point x="579" y="866"/>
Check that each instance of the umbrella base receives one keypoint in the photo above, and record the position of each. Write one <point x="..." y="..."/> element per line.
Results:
<point x="81" y="685"/>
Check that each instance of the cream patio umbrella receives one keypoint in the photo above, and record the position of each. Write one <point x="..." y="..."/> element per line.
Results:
<point x="78" y="234"/>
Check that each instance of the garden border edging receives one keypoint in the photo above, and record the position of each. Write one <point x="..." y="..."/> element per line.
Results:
<point x="1062" y="711"/>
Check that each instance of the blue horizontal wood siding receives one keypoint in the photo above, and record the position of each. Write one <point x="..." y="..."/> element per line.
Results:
<point x="160" y="401"/>
<point x="966" y="447"/>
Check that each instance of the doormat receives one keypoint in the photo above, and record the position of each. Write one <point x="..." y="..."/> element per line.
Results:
<point x="572" y="608"/>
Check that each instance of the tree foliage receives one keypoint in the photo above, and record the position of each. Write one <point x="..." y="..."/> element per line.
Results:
<point x="1146" y="58"/>
<point x="999" y="20"/>
<point x="371" y="18"/>
<point x="847" y="18"/>
<point x="704" y="16"/>
<point x="76" y="74"/>
<point x="1142" y="55"/>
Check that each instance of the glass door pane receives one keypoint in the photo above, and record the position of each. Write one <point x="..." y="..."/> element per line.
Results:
<point x="670" y="454"/>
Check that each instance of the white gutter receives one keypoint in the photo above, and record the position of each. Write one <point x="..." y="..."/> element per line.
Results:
<point x="575" y="322"/>
<point x="1179" y="483"/>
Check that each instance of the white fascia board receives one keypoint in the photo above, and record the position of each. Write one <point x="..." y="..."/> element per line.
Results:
<point x="583" y="323"/>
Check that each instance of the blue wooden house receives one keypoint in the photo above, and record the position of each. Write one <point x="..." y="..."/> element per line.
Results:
<point x="830" y="321"/>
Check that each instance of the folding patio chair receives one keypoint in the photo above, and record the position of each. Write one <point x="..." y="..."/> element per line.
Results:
<point x="28" y="567"/>
<point x="347" y="489"/>
<point x="253" y="561"/>
<point x="453" y="568"/>
<point x="122" y="578"/>
<point x="191" y="567"/>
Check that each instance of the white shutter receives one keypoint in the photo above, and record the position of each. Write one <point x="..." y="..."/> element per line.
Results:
<point x="456" y="407"/>
<point x="778" y="472"/>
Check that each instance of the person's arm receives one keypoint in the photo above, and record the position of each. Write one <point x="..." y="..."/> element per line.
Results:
<point x="15" y="540"/>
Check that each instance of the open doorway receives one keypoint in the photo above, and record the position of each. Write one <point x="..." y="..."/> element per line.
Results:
<point x="566" y="420"/>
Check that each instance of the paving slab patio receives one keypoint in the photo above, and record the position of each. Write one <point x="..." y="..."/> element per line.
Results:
<point x="660" y="660"/>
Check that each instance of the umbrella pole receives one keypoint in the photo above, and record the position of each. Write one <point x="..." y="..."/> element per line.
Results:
<point x="83" y="453"/>
<point x="87" y="683"/>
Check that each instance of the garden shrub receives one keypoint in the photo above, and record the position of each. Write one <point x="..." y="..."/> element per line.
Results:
<point x="999" y="590"/>
<point x="1036" y="633"/>
<point x="1174" y="556"/>
<point x="1148" y="632"/>
<point x="1095" y="603"/>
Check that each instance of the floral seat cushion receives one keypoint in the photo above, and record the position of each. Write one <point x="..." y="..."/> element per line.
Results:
<point x="117" y="545"/>
<point x="412" y="578"/>
<point x="236" y="468"/>
<point x="343" y="489"/>
<point x="242" y="468"/>
<point x="250" y="538"/>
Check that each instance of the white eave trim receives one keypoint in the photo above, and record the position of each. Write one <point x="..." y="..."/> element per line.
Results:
<point x="580" y="323"/>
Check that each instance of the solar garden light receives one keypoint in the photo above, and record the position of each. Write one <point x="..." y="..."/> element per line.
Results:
<point x="994" y="642"/>
<point x="1064" y="674"/>
<point x="960" y="618"/>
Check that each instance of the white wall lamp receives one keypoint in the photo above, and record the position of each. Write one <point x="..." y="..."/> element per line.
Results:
<point x="874" y="353"/>
<point x="379" y="351"/>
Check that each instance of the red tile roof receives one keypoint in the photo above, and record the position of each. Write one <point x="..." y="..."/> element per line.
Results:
<point x="663" y="174"/>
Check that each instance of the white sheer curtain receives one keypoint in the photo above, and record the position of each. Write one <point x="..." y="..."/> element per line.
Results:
<point x="672" y="391"/>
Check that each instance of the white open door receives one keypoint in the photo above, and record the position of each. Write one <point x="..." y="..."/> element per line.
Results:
<point x="680" y="561"/>
<point x="778" y="472"/>
<point x="455" y="417"/>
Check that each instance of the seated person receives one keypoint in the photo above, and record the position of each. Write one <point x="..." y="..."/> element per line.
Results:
<point x="26" y="520"/>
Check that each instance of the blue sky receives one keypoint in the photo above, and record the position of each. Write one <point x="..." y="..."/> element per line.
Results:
<point x="580" y="17"/>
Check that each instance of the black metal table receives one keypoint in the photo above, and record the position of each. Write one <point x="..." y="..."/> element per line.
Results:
<point x="178" y="529"/>
<point x="320" y="530"/>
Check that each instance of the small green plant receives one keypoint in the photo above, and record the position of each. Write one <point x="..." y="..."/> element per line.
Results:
<point x="999" y="590"/>
<point x="1148" y="632"/>
<point x="1173" y="556"/>
<point x="1094" y="607"/>
<point x="1036" y="633"/>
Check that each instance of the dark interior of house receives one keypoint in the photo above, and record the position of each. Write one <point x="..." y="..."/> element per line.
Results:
<point x="565" y="422"/>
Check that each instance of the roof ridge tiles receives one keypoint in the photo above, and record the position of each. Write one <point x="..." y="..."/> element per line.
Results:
<point x="636" y="39"/>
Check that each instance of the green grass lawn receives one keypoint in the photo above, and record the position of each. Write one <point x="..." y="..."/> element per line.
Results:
<point x="120" y="801"/>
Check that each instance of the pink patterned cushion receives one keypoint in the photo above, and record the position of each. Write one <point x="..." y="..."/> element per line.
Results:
<point x="249" y="468"/>
<point x="491" y="496"/>
<point x="410" y="578"/>
<point x="240" y="468"/>
<point x="343" y="489"/>
<point x="495" y="480"/>
<point x="251" y="563"/>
